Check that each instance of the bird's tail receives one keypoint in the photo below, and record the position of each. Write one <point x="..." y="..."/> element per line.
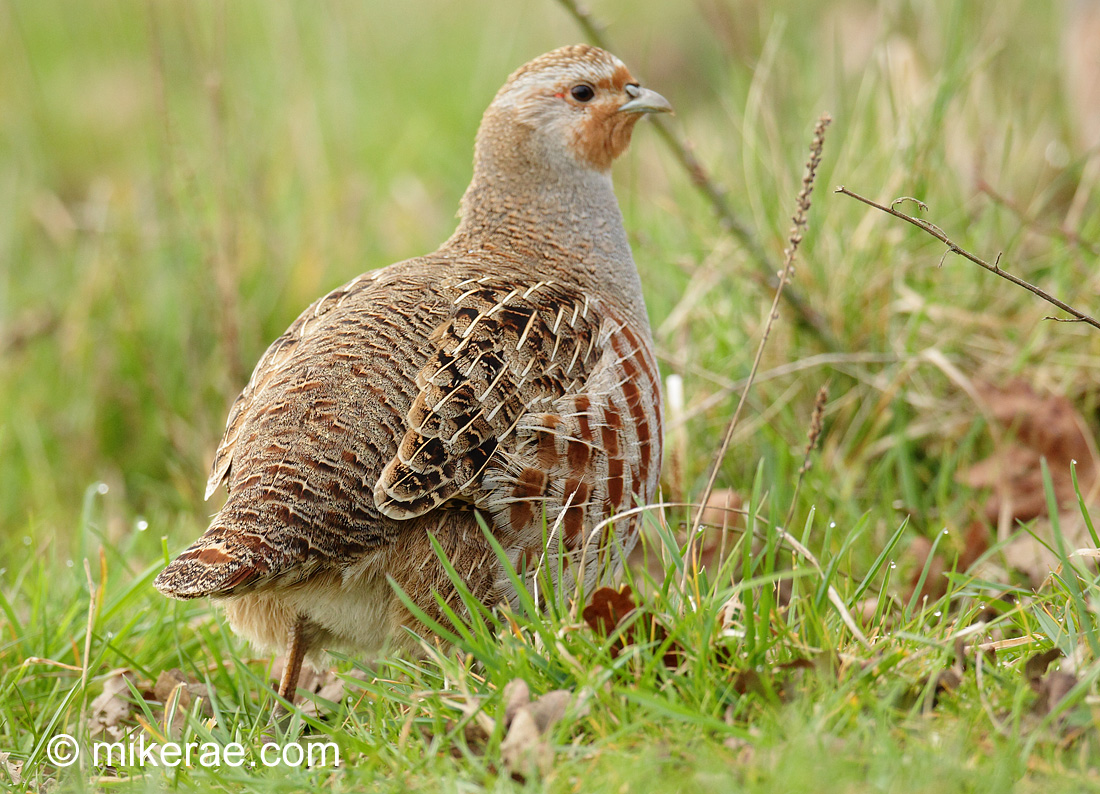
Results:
<point x="220" y="564"/>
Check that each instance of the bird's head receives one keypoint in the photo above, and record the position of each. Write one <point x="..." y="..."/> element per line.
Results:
<point x="578" y="102"/>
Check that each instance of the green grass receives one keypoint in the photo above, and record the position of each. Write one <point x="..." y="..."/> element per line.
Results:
<point x="181" y="179"/>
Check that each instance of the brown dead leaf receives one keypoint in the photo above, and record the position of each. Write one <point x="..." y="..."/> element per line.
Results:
<point x="526" y="750"/>
<point x="746" y="681"/>
<point x="171" y="682"/>
<point x="1037" y="665"/>
<point x="550" y="708"/>
<point x="719" y="516"/>
<point x="477" y="727"/>
<point x="516" y="696"/>
<point x="720" y="510"/>
<point x="1054" y="686"/>
<point x="944" y="681"/>
<point x="329" y="687"/>
<point x="1036" y="426"/>
<point x="929" y="690"/>
<point x="935" y="585"/>
<point x="13" y="769"/>
<point x="1044" y="426"/>
<point x="607" y="608"/>
<point x="939" y="682"/>
<point x="112" y="707"/>
<point x="1050" y="685"/>
<point x="744" y="750"/>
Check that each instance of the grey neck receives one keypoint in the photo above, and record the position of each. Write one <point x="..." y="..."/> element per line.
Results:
<point x="574" y="213"/>
<point x="557" y="214"/>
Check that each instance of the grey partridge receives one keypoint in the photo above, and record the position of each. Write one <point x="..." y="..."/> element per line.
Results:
<point x="509" y="376"/>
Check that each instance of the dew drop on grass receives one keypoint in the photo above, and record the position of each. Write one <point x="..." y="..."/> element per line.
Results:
<point x="142" y="525"/>
<point x="102" y="488"/>
<point x="936" y="614"/>
<point x="945" y="530"/>
<point x="69" y="563"/>
<point x="893" y="564"/>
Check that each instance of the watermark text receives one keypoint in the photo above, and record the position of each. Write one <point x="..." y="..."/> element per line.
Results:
<point x="64" y="750"/>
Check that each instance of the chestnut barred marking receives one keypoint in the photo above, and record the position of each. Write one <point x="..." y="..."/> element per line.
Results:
<point x="583" y="405"/>
<point x="615" y="482"/>
<point x="577" y="499"/>
<point x="610" y="430"/>
<point x="532" y="483"/>
<point x="600" y="457"/>
<point x="547" y="449"/>
<point x="210" y="555"/>
<point x="529" y="490"/>
<point x="578" y="454"/>
<point x="250" y="481"/>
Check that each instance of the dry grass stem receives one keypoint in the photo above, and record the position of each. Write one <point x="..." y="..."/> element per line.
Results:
<point x="802" y="207"/>
<point x="953" y="248"/>
<point x="817" y="423"/>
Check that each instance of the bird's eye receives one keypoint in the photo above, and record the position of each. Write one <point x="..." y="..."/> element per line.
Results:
<point x="582" y="92"/>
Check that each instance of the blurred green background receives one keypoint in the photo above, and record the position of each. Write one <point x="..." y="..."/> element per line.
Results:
<point x="180" y="179"/>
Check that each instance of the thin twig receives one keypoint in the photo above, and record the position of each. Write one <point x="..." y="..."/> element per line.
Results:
<point x="995" y="267"/>
<point x="715" y="195"/>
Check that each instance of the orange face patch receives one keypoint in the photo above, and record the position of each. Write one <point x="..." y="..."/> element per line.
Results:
<point x="604" y="133"/>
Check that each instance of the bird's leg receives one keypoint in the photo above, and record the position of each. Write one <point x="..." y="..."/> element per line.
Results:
<point x="295" y="651"/>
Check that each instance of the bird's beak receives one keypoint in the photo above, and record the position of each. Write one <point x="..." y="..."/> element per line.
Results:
<point x="643" y="100"/>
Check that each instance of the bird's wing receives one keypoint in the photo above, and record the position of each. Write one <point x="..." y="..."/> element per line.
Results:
<point x="386" y="382"/>
<point x="506" y="350"/>
<point x="280" y="353"/>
